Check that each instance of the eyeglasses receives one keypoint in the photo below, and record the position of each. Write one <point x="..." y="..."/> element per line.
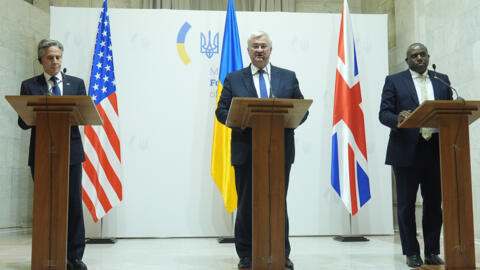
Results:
<point x="259" y="47"/>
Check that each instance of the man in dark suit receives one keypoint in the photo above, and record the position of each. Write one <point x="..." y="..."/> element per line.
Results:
<point x="52" y="81"/>
<point x="414" y="153"/>
<point x="260" y="79"/>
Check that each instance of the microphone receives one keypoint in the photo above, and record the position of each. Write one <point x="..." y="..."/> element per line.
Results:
<point x="445" y="83"/>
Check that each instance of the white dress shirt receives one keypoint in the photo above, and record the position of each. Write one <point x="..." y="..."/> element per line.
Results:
<point x="417" y="81"/>
<point x="417" y="77"/>
<point x="51" y="84"/>
<point x="256" y="77"/>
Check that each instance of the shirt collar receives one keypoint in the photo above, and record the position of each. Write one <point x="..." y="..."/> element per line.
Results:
<point x="48" y="76"/>
<point x="416" y="75"/>
<point x="255" y="69"/>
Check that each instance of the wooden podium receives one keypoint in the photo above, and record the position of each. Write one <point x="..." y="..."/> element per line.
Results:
<point x="268" y="118"/>
<point x="52" y="116"/>
<point x="452" y="118"/>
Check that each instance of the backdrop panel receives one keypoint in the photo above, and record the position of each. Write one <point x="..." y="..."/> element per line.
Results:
<point x="167" y="109"/>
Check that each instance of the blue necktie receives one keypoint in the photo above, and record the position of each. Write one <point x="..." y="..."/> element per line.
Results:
<point x="55" y="88"/>
<point x="263" y="86"/>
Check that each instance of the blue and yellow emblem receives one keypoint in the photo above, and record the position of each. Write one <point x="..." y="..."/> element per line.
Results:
<point x="181" y="43"/>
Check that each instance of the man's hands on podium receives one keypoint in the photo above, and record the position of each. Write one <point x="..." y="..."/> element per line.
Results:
<point x="402" y="116"/>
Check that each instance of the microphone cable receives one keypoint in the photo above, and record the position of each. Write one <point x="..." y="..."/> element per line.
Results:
<point x="269" y="151"/>
<point x="52" y="151"/>
<point x="35" y="164"/>
<point x="457" y="191"/>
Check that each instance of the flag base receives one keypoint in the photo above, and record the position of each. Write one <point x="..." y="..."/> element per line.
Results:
<point x="436" y="267"/>
<point x="101" y="240"/>
<point x="226" y="240"/>
<point x="350" y="238"/>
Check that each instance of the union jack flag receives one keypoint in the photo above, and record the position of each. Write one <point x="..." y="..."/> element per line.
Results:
<point x="101" y="185"/>
<point x="349" y="148"/>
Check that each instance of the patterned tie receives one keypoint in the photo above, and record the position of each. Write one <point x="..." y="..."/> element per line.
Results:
<point x="55" y="88"/>
<point x="263" y="86"/>
<point x="426" y="132"/>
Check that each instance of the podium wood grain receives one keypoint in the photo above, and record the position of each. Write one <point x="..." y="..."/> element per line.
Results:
<point x="52" y="116"/>
<point x="452" y="118"/>
<point x="50" y="201"/>
<point x="268" y="118"/>
<point x="268" y="188"/>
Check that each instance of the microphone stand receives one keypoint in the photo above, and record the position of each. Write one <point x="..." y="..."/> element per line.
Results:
<point x="445" y="83"/>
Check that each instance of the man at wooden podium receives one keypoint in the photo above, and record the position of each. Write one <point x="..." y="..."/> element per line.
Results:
<point x="54" y="82"/>
<point x="260" y="80"/>
<point x="414" y="153"/>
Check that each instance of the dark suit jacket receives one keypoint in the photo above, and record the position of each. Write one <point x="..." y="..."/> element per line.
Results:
<point x="72" y="86"/>
<point x="399" y="94"/>
<point x="284" y="84"/>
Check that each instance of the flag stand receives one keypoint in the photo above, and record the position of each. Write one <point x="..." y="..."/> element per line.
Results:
<point x="101" y="239"/>
<point x="228" y="239"/>
<point x="350" y="237"/>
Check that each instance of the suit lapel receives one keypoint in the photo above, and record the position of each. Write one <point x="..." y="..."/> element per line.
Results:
<point x="274" y="80"/>
<point x="410" y="86"/>
<point x="67" y="88"/>
<point x="43" y="86"/>
<point x="248" y="82"/>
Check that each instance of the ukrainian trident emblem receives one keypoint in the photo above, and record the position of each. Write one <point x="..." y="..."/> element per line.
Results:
<point x="208" y="49"/>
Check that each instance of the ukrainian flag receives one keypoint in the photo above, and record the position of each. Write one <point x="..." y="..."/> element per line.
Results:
<point x="221" y="168"/>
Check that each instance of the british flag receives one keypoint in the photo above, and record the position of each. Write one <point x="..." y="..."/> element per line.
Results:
<point x="349" y="149"/>
<point x="101" y="185"/>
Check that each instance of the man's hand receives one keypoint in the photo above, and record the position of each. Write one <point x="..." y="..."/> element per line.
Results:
<point x="402" y="116"/>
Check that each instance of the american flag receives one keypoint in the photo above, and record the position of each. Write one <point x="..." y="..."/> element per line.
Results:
<point x="349" y="149"/>
<point x="101" y="185"/>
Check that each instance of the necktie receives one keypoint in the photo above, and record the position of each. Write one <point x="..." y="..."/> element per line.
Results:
<point x="263" y="86"/>
<point x="55" y="88"/>
<point x="426" y="132"/>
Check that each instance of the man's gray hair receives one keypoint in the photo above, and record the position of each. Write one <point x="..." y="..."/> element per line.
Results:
<point x="259" y="34"/>
<point x="45" y="43"/>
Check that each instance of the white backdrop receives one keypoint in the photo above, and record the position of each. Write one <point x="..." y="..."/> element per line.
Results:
<point x="167" y="110"/>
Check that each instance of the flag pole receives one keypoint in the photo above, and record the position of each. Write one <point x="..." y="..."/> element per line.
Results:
<point x="350" y="237"/>
<point x="101" y="239"/>
<point x="349" y="171"/>
<point x="229" y="239"/>
<point x="221" y="168"/>
<point x="104" y="22"/>
<point x="102" y="89"/>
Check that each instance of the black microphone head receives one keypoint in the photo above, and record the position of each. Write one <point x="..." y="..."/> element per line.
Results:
<point x="65" y="70"/>
<point x="434" y="66"/>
